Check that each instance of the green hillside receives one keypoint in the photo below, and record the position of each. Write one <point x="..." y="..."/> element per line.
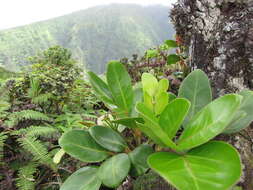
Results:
<point x="94" y="35"/>
<point x="4" y="74"/>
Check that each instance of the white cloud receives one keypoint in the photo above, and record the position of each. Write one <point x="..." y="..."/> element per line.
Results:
<point x="19" y="12"/>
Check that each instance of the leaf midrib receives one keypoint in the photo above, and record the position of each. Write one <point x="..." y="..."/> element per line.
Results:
<point x="88" y="182"/>
<point x="189" y="169"/>
<point x="194" y="98"/>
<point x="87" y="148"/>
<point x="113" y="142"/>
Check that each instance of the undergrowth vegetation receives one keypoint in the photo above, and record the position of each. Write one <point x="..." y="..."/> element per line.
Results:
<point x="63" y="129"/>
<point x="35" y="108"/>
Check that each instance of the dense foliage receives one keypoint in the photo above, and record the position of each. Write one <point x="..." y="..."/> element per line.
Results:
<point x="184" y="125"/>
<point x="59" y="130"/>
<point x="95" y="36"/>
<point x="35" y="108"/>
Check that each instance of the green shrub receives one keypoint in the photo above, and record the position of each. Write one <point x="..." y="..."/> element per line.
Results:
<point x="179" y="130"/>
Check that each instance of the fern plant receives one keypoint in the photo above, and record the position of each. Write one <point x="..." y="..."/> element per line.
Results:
<point x="29" y="105"/>
<point x="38" y="151"/>
<point x="37" y="131"/>
<point x="36" y="94"/>
<point x="16" y="117"/>
<point x="28" y="139"/>
<point x="26" y="180"/>
<point x="3" y="137"/>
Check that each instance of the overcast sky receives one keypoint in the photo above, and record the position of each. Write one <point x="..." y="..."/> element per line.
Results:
<point x="20" y="12"/>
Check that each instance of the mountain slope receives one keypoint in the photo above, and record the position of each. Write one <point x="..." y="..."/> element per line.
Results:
<point x="94" y="35"/>
<point x="4" y="74"/>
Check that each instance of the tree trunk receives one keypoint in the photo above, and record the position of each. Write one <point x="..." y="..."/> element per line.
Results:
<point x="218" y="35"/>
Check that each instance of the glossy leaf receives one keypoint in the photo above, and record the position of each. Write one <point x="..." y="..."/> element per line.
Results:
<point x="129" y="122"/>
<point x="108" y="138"/>
<point x="148" y="100"/>
<point x="100" y="87"/>
<point x="83" y="179"/>
<point x="151" y="53"/>
<point x="139" y="158"/>
<point x="212" y="166"/>
<point x="80" y="145"/>
<point x="149" y="84"/>
<point x="114" y="170"/>
<point x="119" y="83"/>
<point x="171" y="43"/>
<point x="173" y="116"/>
<point x="152" y="134"/>
<point x="172" y="97"/>
<point x="196" y="88"/>
<point x="161" y="102"/>
<point x="152" y="128"/>
<point x="173" y="59"/>
<point x="244" y="114"/>
<point x="163" y="86"/>
<point x="210" y="121"/>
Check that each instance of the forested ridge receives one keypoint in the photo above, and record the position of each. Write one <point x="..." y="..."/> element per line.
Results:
<point x="95" y="35"/>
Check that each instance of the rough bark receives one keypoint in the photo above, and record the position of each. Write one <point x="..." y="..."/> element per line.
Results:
<point x="219" y="37"/>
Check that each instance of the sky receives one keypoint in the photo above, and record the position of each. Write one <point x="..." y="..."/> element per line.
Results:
<point x="20" y="12"/>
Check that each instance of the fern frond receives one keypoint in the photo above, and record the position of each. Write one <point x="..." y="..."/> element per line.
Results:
<point x="4" y="105"/>
<point x="4" y="91"/>
<point x="31" y="115"/>
<point x="16" y="117"/>
<point x="25" y="180"/>
<point x="3" y="137"/>
<point x="42" y="98"/>
<point x="36" y="131"/>
<point x="38" y="150"/>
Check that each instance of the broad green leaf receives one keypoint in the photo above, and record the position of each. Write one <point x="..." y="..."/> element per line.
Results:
<point x="173" y="116"/>
<point x="138" y="159"/>
<point x="148" y="100"/>
<point x="162" y="97"/>
<point x="100" y="87"/>
<point x="161" y="102"/>
<point x="119" y="83"/>
<point x="171" y="43"/>
<point x="151" y="53"/>
<point x="58" y="156"/>
<point x="212" y="166"/>
<point x="163" y="86"/>
<point x="173" y="59"/>
<point x="114" y="170"/>
<point x="129" y="122"/>
<point x="108" y="138"/>
<point x="245" y="113"/>
<point x="196" y="88"/>
<point x="172" y="97"/>
<point x="147" y="130"/>
<point x="83" y="179"/>
<point x="149" y="84"/>
<point x="154" y="130"/>
<point x="210" y="121"/>
<point x="80" y="145"/>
